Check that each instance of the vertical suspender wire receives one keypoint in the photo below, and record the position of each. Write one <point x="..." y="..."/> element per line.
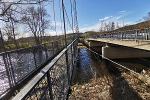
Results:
<point x="54" y="16"/>
<point x="60" y="16"/>
<point x="41" y="18"/>
<point x="74" y="16"/>
<point x="67" y="63"/>
<point x="76" y="20"/>
<point x="64" y="23"/>
<point x="71" y="15"/>
<point x="68" y="19"/>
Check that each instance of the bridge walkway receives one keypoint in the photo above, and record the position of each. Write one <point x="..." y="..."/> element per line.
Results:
<point x="23" y="63"/>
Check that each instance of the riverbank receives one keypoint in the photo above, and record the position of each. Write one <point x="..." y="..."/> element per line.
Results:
<point x="124" y="87"/>
<point x="97" y="89"/>
<point x="108" y="82"/>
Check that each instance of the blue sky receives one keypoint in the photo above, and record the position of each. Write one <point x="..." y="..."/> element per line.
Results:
<point x="91" y="12"/>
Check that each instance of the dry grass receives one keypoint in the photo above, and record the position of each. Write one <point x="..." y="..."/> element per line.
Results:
<point x="140" y="85"/>
<point x="97" y="89"/>
<point x="125" y="87"/>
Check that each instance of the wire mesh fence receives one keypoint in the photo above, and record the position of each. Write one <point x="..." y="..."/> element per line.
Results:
<point x="139" y="34"/>
<point x="52" y="83"/>
<point x="17" y="65"/>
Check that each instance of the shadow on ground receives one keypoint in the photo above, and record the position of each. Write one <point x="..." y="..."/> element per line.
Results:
<point x="120" y="88"/>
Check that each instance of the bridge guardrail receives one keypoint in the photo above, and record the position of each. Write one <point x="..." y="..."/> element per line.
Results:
<point x="17" y="65"/>
<point x="53" y="81"/>
<point x="138" y="34"/>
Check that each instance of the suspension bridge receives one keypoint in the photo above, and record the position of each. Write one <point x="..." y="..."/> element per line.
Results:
<point x="42" y="71"/>
<point x="47" y="69"/>
<point x="53" y="81"/>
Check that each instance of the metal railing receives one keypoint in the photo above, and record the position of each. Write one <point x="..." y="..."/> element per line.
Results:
<point x="138" y="34"/>
<point x="52" y="83"/>
<point x="17" y="65"/>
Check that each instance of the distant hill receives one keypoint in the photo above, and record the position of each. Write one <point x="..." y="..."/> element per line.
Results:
<point x="140" y="25"/>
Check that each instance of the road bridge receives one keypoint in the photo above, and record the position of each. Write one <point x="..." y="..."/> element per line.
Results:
<point x="128" y="44"/>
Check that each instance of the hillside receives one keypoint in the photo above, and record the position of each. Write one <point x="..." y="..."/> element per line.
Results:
<point x="140" y="25"/>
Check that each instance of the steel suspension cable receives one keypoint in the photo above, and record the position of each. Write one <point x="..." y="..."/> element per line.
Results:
<point x="54" y="16"/>
<point x="75" y="17"/>
<point x="71" y="15"/>
<point x="64" y="23"/>
<point x="60" y="15"/>
<point x="68" y="19"/>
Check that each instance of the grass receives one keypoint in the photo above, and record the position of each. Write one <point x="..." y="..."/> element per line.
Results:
<point x="84" y="35"/>
<point x="20" y="45"/>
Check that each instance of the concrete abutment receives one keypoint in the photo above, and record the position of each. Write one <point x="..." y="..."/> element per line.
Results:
<point x="113" y="51"/>
<point x="123" y="52"/>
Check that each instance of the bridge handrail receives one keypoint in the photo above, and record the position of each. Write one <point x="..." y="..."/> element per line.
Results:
<point x="52" y="81"/>
<point x="136" y="34"/>
<point x="32" y="46"/>
<point x="16" y="66"/>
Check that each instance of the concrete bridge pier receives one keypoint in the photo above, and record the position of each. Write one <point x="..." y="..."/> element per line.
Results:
<point x="96" y="43"/>
<point x="123" y="52"/>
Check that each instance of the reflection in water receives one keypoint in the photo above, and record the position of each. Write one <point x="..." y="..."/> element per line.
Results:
<point x="22" y="64"/>
<point x="88" y="66"/>
<point x="82" y="70"/>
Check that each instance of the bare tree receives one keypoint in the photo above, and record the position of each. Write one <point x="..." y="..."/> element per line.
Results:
<point x="10" y="27"/>
<point x="147" y="17"/>
<point x="15" y="6"/>
<point x="117" y="26"/>
<point x="11" y="32"/>
<point x="101" y="26"/>
<point x="112" y="26"/>
<point x="37" y="22"/>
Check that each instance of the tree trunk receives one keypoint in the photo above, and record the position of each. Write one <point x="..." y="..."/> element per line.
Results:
<point x="37" y="41"/>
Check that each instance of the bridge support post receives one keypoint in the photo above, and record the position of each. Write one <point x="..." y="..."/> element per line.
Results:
<point x="136" y="33"/>
<point x="50" y="85"/>
<point x="93" y="44"/>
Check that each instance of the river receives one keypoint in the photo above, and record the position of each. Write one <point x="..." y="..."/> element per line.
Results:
<point x="19" y="65"/>
<point x="89" y="65"/>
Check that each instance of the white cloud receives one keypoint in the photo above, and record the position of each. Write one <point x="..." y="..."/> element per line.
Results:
<point x="57" y="23"/>
<point x="122" y="11"/>
<point x="53" y="33"/>
<point x="85" y="24"/>
<point x="105" y="18"/>
<point x="91" y="28"/>
<point x="97" y="26"/>
<point x="116" y="19"/>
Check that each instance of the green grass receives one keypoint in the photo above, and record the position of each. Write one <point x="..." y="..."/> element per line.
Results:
<point x="84" y="35"/>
